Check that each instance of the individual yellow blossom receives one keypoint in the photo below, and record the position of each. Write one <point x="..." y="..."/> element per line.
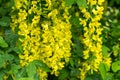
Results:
<point x="83" y="10"/>
<point x="18" y="4"/>
<point x="45" y="26"/>
<point x="100" y="2"/>
<point x="43" y="75"/>
<point x="53" y="13"/>
<point x="95" y="37"/>
<point x="22" y="15"/>
<point x="100" y="9"/>
<point x="108" y="61"/>
<point x="49" y="4"/>
<point x="86" y="54"/>
<point x="92" y="2"/>
<point x="82" y="75"/>
<point x="87" y="15"/>
<point x="95" y="12"/>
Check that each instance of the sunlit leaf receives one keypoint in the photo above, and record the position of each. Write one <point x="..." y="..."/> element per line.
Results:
<point x="69" y="2"/>
<point x="81" y="3"/>
<point x="116" y="66"/>
<point x="31" y="69"/>
<point x="103" y="71"/>
<point x="2" y="42"/>
<point x="42" y="65"/>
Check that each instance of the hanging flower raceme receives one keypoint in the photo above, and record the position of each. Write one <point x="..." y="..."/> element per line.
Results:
<point x="56" y="38"/>
<point x="92" y="41"/>
<point x="44" y="33"/>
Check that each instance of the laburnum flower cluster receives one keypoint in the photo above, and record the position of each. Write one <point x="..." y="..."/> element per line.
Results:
<point x="44" y="33"/>
<point x="92" y="39"/>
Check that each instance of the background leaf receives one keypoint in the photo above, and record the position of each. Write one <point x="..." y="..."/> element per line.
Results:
<point x="103" y="71"/>
<point x="105" y="51"/>
<point x="5" y="21"/>
<point x="42" y="65"/>
<point x="63" y="74"/>
<point x="81" y="3"/>
<point x="2" y="42"/>
<point x="69" y="2"/>
<point x="14" y="69"/>
<point x="26" y="78"/>
<point x="116" y="66"/>
<point x="31" y="70"/>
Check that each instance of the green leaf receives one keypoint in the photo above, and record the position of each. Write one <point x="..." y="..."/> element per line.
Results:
<point x="21" y="73"/>
<point x="8" y="57"/>
<point x="2" y="11"/>
<point x="20" y="48"/>
<point x="73" y="78"/>
<point x="0" y="1"/>
<point x="26" y="79"/>
<point x="1" y="52"/>
<point x="105" y="50"/>
<point x="2" y="73"/>
<point x="14" y="69"/>
<point x="71" y="62"/>
<point x="81" y="3"/>
<point x="106" y="67"/>
<point x="103" y="71"/>
<point x="2" y="61"/>
<point x="115" y="50"/>
<point x="74" y="72"/>
<point x="11" y="38"/>
<point x="116" y="31"/>
<point x="36" y="77"/>
<point x="17" y="50"/>
<point x="2" y="42"/>
<point x="88" y="78"/>
<point x="42" y="65"/>
<point x="116" y="66"/>
<point x="4" y="58"/>
<point x="5" y="21"/>
<point x="31" y="70"/>
<point x="69" y="2"/>
<point x="63" y="74"/>
<point x="75" y="21"/>
<point x="110" y="76"/>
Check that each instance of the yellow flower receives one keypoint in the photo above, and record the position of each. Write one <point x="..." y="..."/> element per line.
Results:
<point x="100" y="2"/>
<point x="86" y="54"/>
<point x="45" y="26"/>
<point x="22" y="15"/>
<point x="87" y="15"/>
<point x="18" y="4"/>
<point x="83" y="22"/>
<point x="100" y="9"/>
<point x="43" y="75"/>
<point x="83" y="10"/>
<point x="108" y="61"/>
<point x="92" y="2"/>
<point x="99" y="31"/>
<point x="95" y="37"/>
<point x="49" y="4"/>
<point x="82" y="74"/>
<point x="91" y="39"/>
<point x="35" y="20"/>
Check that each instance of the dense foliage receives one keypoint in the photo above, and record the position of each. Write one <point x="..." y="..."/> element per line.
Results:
<point x="59" y="40"/>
